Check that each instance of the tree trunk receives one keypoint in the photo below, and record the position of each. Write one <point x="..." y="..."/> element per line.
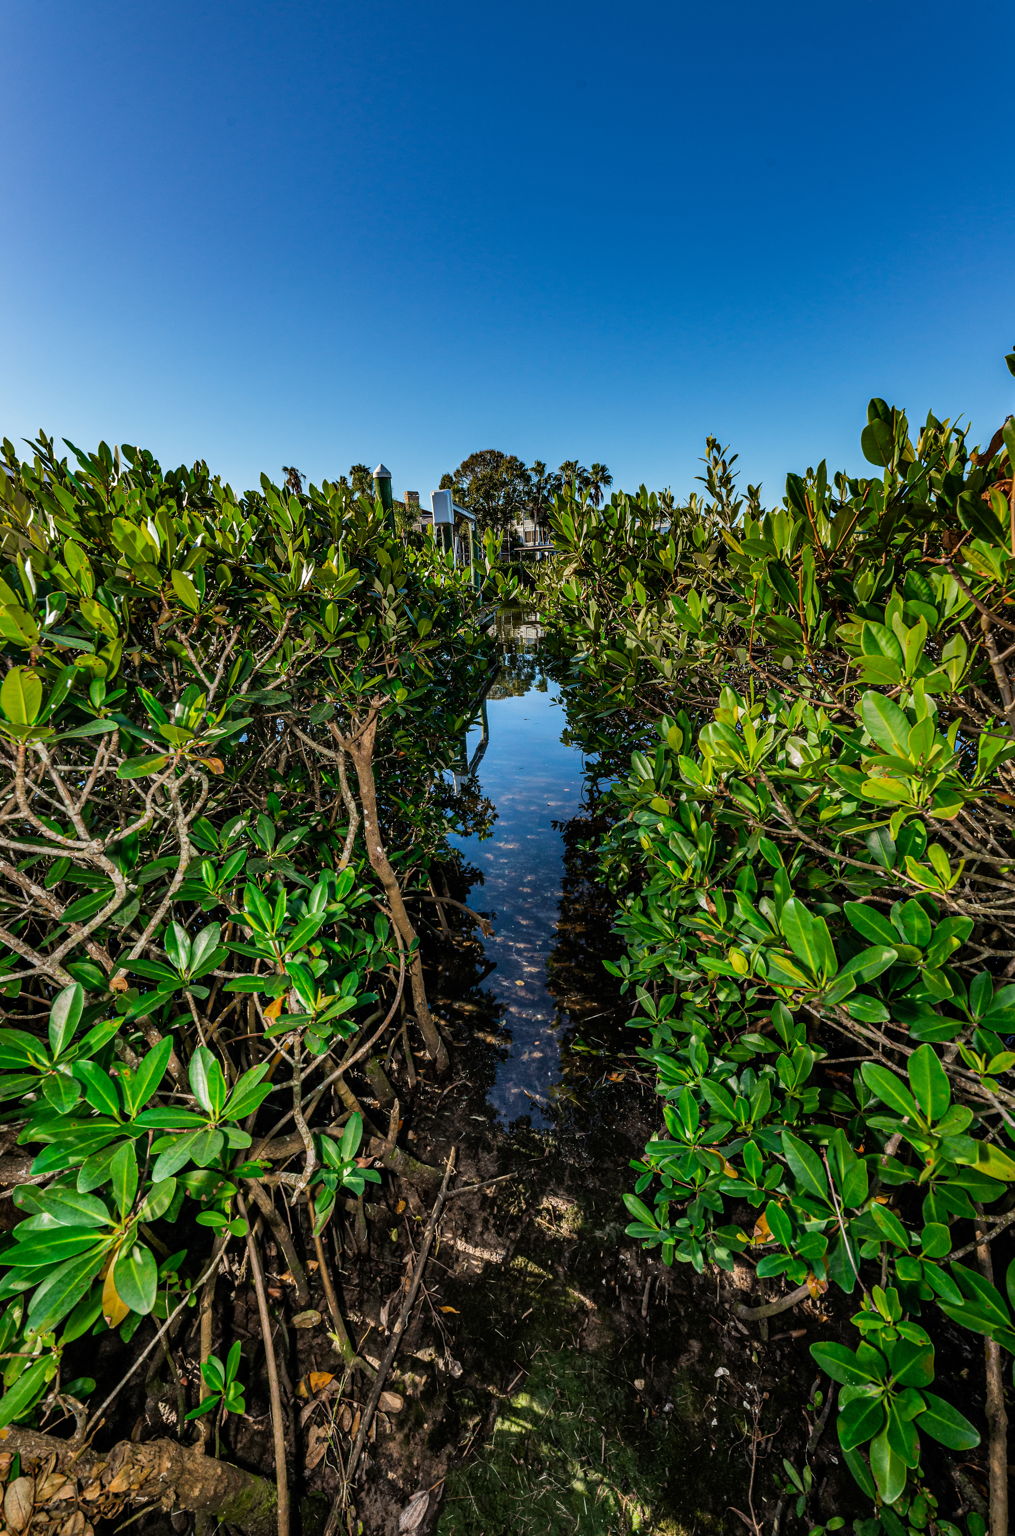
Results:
<point x="160" y="1472"/>
<point x="361" y="749"/>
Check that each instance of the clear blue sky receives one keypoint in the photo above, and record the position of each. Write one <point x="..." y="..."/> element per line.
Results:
<point x="321" y="231"/>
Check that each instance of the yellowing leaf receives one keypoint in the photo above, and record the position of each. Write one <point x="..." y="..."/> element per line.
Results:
<point x="762" y="1231"/>
<point x="114" y="1308"/>
<point x="274" y="1008"/>
<point x="313" y="1383"/>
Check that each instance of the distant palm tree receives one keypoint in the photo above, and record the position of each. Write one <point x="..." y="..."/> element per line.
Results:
<point x="362" y="480"/>
<point x="599" y="478"/>
<point x="544" y="485"/>
<point x="573" y="476"/>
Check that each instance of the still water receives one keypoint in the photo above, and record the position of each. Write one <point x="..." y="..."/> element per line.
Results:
<point x="534" y="780"/>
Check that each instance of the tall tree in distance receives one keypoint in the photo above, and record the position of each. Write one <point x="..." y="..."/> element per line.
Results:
<point x="573" y="476"/>
<point x="544" y="486"/>
<point x="362" y="480"/>
<point x="599" y="478"/>
<point x="493" y="485"/>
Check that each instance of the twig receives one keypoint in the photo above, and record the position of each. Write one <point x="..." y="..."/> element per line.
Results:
<point x="346" y="1347"/>
<point x="281" y="1234"/>
<point x="997" y="1416"/>
<point x="396" y="1333"/>
<point x="271" y="1365"/>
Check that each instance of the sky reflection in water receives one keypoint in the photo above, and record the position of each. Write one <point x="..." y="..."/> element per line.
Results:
<point x="534" y="780"/>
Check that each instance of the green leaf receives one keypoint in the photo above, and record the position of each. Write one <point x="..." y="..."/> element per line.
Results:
<point x="806" y="1165"/>
<point x="74" y="1209"/>
<point x="843" y="1366"/>
<point x="946" y="1424"/>
<point x="199" y="1072"/>
<point x="888" y="1467"/>
<point x="808" y="938"/>
<point x="100" y="1090"/>
<point x="64" y="1016"/>
<point x="136" y="1277"/>
<point x="139" y="1086"/>
<point x="21" y="696"/>
<point x="175" y="1156"/>
<point x="929" y="1082"/>
<point x="994" y="1162"/>
<point x="24" y="1392"/>
<point x="779" y="1223"/>
<point x="123" y="1174"/>
<point x="912" y="1362"/>
<point x="62" y="1290"/>
<point x="886" y="724"/>
<point x="352" y="1136"/>
<point x="138" y="767"/>
<point x="890" y="1089"/>
<point x="158" y="1200"/>
<point x="640" y="1211"/>
<point x="41" y="1250"/>
<point x="860" y="1420"/>
<point x="249" y="1093"/>
<point x="185" y="590"/>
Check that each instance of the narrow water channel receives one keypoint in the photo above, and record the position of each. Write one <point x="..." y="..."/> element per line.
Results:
<point x="535" y="782"/>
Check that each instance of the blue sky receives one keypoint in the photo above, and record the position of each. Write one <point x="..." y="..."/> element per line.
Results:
<point x="318" y="232"/>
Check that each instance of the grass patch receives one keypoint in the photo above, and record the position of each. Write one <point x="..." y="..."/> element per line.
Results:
<point x="570" y="1455"/>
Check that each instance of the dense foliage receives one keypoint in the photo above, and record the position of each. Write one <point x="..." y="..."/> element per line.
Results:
<point x="502" y="490"/>
<point x="222" y="720"/>
<point x="814" y="855"/>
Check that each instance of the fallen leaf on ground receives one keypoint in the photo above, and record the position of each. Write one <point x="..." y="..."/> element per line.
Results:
<point x="317" y="1444"/>
<point x="414" y="1513"/>
<point x="315" y="1381"/>
<point x="19" y="1501"/>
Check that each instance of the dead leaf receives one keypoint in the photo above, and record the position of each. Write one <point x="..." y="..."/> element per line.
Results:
<point x="762" y="1231"/>
<point x="316" y="1381"/>
<point x="214" y="763"/>
<point x="114" y="1308"/>
<point x="19" y="1501"/>
<point x="76" y="1525"/>
<point x="414" y="1513"/>
<point x="451" y="1309"/>
<point x="400" y="1207"/>
<point x="309" y="1319"/>
<point x="391" y="1402"/>
<point x="317" y="1444"/>
<point x="118" y="983"/>
<point x="54" y="1488"/>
